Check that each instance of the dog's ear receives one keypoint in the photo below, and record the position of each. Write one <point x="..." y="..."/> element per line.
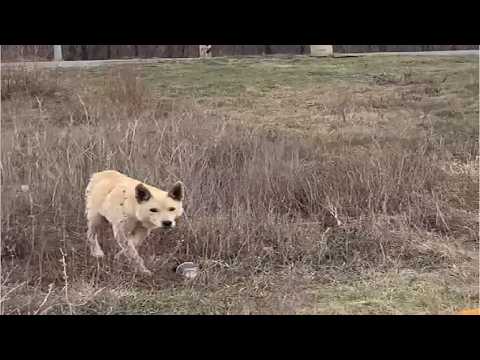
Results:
<point x="141" y="193"/>
<point x="177" y="192"/>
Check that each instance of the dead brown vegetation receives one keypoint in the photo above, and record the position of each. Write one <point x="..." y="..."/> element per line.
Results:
<point x="257" y="201"/>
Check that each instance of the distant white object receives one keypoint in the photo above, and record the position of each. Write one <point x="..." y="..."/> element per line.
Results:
<point x="205" y="50"/>
<point x="321" y="50"/>
<point x="187" y="269"/>
<point x="25" y="188"/>
<point x="57" y="53"/>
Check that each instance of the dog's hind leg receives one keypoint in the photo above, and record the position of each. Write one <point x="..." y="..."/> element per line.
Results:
<point x="94" y="222"/>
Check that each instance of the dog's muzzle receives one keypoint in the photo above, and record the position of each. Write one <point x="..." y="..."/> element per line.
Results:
<point x="167" y="224"/>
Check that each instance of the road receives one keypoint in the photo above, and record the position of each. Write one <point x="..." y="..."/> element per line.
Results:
<point x="90" y="63"/>
<point x="94" y="63"/>
<point x="419" y="53"/>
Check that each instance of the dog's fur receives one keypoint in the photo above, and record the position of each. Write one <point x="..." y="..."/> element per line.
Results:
<point x="132" y="208"/>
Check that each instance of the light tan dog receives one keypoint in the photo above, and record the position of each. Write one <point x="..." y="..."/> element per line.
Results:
<point x="132" y="208"/>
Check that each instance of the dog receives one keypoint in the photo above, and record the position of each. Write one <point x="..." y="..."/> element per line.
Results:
<point x="132" y="208"/>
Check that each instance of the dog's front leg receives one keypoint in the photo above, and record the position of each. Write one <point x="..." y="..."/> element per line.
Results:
<point x="128" y="247"/>
<point x="118" y="254"/>
<point x="136" y="237"/>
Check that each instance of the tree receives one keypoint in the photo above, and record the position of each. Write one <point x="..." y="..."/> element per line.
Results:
<point x="84" y="52"/>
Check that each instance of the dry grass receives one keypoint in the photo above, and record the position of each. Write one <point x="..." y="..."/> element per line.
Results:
<point x="290" y="188"/>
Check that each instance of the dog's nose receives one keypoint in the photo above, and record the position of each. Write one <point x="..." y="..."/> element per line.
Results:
<point x="167" y="223"/>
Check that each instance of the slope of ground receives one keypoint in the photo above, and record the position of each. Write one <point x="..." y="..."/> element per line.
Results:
<point x="329" y="186"/>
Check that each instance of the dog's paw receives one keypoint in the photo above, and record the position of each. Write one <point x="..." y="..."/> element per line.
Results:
<point x="98" y="253"/>
<point x="146" y="272"/>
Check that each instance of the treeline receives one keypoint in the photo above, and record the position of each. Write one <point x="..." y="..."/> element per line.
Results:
<point x="101" y="52"/>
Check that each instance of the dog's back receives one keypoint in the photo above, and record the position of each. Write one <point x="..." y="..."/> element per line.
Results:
<point x="99" y="186"/>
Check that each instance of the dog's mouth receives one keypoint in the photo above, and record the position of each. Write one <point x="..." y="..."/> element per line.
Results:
<point x="166" y="228"/>
<point x="164" y="225"/>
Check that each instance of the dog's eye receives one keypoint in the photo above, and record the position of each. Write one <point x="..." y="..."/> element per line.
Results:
<point x="171" y="209"/>
<point x="154" y="210"/>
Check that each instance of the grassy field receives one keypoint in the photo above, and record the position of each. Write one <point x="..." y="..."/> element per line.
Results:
<point x="314" y="186"/>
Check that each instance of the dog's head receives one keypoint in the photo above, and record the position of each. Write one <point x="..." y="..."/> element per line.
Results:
<point x="159" y="209"/>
